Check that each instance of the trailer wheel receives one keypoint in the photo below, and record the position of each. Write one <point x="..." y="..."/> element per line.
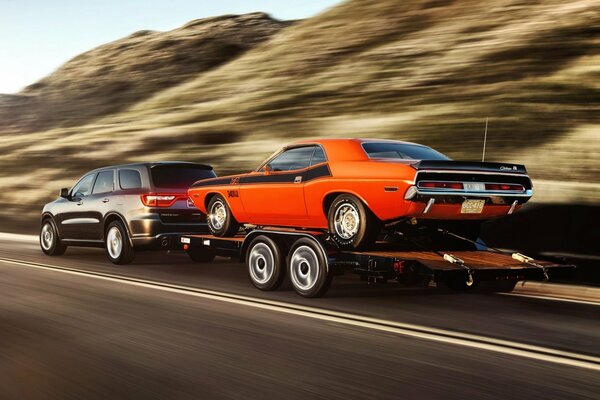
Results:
<point x="266" y="265"/>
<point x="220" y="221"/>
<point x="308" y="269"/>
<point x="351" y="224"/>
<point x="201" y="255"/>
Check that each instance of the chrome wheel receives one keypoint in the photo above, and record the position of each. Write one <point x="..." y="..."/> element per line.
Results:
<point x="304" y="268"/>
<point x="261" y="263"/>
<point x="346" y="221"/>
<point x="114" y="242"/>
<point x="47" y="236"/>
<point x="217" y="214"/>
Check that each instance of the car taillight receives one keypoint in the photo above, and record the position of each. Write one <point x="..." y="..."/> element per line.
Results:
<point x="502" y="186"/>
<point x="159" y="200"/>
<point x="441" y="185"/>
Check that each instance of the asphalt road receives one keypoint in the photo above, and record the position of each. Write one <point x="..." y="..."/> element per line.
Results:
<point x="67" y="336"/>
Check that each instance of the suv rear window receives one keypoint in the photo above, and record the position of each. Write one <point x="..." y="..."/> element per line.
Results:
<point x="179" y="176"/>
<point x="402" y="151"/>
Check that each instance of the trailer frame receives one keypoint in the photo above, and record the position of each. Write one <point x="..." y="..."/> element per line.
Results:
<point x="305" y="255"/>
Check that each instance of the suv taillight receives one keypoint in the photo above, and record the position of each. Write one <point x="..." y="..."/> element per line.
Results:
<point x="161" y="200"/>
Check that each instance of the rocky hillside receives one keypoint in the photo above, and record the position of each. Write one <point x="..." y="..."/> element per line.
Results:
<point x="109" y="78"/>
<point x="427" y="71"/>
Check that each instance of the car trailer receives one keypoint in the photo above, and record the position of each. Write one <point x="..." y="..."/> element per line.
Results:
<point x="311" y="260"/>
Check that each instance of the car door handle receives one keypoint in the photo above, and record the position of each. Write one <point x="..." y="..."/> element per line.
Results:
<point x="105" y="200"/>
<point x="80" y="203"/>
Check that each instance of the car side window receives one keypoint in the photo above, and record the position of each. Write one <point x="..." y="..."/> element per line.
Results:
<point x="292" y="159"/>
<point x="104" y="182"/>
<point x="84" y="186"/>
<point x="318" y="156"/>
<point x="130" y="179"/>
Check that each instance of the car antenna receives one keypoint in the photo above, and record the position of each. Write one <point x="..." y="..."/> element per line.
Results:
<point x="484" y="139"/>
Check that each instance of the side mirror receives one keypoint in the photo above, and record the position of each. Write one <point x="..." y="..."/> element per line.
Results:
<point x="64" y="193"/>
<point x="267" y="169"/>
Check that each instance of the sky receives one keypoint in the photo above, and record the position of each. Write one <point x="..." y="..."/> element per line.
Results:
<point x="37" y="36"/>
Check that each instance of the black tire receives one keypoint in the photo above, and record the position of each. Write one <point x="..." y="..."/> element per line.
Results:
<point x="368" y="224"/>
<point x="307" y="268"/>
<point x="201" y="254"/>
<point x="265" y="263"/>
<point x="118" y="247"/>
<point x="222" y="225"/>
<point x="49" y="239"/>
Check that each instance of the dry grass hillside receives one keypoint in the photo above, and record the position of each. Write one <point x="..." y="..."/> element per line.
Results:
<point x="425" y="71"/>
<point x="111" y="77"/>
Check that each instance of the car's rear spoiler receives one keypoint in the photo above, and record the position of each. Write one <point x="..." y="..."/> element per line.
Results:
<point x="470" y="166"/>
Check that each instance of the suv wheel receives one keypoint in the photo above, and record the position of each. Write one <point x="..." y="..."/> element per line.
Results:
<point x="118" y="247"/>
<point x="49" y="240"/>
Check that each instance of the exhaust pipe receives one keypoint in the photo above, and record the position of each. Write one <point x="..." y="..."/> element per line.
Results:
<point x="164" y="242"/>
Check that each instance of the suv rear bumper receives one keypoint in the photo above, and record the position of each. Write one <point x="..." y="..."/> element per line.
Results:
<point x="155" y="234"/>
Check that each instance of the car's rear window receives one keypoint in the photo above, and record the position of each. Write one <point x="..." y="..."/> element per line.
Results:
<point x="179" y="176"/>
<point x="403" y="151"/>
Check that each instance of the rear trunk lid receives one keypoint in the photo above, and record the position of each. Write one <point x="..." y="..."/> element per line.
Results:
<point x="470" y="166"/>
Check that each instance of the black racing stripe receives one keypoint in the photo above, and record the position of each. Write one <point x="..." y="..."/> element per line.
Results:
<point x="316" y="173"/>
<point x="212" y="182"/>
<point x="312" y="174"/>
<point x="275" y="178"/>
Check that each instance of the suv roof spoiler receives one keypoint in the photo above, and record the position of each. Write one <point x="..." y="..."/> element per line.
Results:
<point x="180" y="164"/>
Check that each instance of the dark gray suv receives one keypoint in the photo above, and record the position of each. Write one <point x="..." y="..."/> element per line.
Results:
<point x="125" y="208"/>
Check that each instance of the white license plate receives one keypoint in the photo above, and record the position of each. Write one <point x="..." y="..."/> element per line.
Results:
<point x="474" y="186"/>
<point x="472" y="207"/>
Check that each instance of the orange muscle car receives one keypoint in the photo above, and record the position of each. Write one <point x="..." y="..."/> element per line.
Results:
<point x="352" y="187"/>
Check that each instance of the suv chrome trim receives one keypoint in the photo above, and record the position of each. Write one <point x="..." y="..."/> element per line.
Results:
<point x="80" y="221"/>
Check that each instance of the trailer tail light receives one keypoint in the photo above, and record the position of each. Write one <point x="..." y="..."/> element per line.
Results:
<point x="160" y="200"/>
<point x="441" y="185"/>
<point x="399" y="266"/>
<point x="499" y="187"/>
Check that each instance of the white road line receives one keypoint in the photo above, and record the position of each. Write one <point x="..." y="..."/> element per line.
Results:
<point x="16" y="237"/>
<point x="563" y="299"/>
<point x="417" y="331"/>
